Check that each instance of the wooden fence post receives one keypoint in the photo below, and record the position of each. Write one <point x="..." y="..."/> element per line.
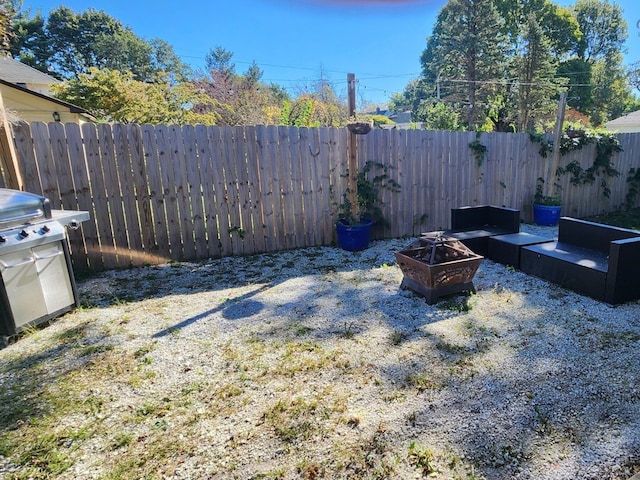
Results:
<point x="8" y="157"/>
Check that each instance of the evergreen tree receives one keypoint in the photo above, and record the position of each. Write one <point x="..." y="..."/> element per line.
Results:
<point x="465" y="58"/>
<point x="536" y="83"/>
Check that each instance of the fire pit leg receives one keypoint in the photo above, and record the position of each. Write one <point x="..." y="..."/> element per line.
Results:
<point x="432" y="295"/>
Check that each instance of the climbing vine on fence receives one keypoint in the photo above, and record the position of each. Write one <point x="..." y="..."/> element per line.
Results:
<point x="607" y="145"/>
<point x="633" y="179"/>
<point x="479" y="150"/>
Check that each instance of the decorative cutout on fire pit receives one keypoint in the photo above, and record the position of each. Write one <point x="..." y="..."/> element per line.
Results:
<point x="435" y="266"/>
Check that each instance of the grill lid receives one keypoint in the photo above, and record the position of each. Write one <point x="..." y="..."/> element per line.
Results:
<point x="17" y="208"/>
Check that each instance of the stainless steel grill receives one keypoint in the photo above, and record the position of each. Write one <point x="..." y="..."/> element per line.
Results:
<point x="36" y="278"/>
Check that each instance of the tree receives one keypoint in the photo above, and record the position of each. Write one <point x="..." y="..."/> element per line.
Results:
<point x="165" y="61"/>
<point x="68" y="44"/>
<point x="117" y="97"/>
<point x="219" y="60"/>
<point x="415" y="96"/>
<point x="465" y="56"/>
<point x="634" y="75"/>
<point x="603" y="28"/>
<point x="579" y="75"/>
<point x="238" y="99"/>
<point x="536" y="72"/>
<point x="7" y="14"/>
<point x="611" y="91"/>
<point x="440" y="116"/>
<point x="558" y="24"/>
<point x="29" y="43"/>
<point x="309" y="111"/>
<point x="604" y="32"/>
<point x="317" y="105"/>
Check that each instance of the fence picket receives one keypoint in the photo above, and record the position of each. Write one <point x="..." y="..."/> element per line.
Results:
<point x="193" y="182"/>
<point x="97" y="240"/>
<point x="254" y="229"/>
<point x="160" y="248"/>
<point x="265" y="186"/>
<point x="178" y="164"/>
<point x="75" y="190"/>
<point x="128" y="196"/>
<point x="208" y="191"/>
<point x="242" y="168"/>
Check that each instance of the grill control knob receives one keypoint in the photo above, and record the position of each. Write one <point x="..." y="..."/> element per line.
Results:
<point x="45" y="229"/>
<point x="23" y="234"/>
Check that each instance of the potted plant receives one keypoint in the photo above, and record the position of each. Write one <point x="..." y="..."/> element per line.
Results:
<point x="546" y="201"/>
<point x="354" y="224"/>
<point x="546" y="208"/>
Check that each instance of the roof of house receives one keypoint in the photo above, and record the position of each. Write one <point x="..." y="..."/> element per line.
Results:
<point x="72" y="108"/>
<point x="631" y="119"/>
<point x="17" y="72"/>
<point x="17" y="75"/>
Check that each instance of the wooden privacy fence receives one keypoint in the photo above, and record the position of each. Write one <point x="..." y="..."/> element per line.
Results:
<point x="162" y="193"/>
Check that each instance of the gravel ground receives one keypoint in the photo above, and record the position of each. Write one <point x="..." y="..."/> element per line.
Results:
<point x="313" y="363"/>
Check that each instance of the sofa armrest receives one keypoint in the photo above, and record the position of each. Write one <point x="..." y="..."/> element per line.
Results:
<point x="505" y="218"/>
<point x="622" y="277"/>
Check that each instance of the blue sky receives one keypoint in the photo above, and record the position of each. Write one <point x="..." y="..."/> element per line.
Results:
<point x="297" y="41"/>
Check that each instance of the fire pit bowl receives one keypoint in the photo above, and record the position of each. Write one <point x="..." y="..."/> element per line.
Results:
<point x="435" y="266"/>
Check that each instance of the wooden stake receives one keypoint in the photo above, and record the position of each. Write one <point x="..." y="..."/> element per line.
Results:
<point x="550" y="184"/>
<point x="8" y="157"/>
<point x="353" y="149"/>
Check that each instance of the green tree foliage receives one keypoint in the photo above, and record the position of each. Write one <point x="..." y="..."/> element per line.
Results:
<point x="414" y="98"/>
<point x="117" y="97"/>
<point x="558" y="24"/>
<point x="511" y="79"/>
<point x="440" y="116"/>
<point x="68" y="44"/>
<point x="634" y="75"/>
<point x="29" y="43"/>
<point x="604" y="32"/>
<point x="536" y="83"/>
<point x="218" y="59"/>
<point x="310" y="111"/>
<point x="612" y="92"/>
<point x="465" y="55"/>
<point x="579" y="75"/>
<point x="7" y="14"/>
<point x="237" y="99"/>
<point x="603" y="28"/>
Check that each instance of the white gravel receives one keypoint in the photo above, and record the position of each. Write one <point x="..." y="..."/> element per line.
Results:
<point x="523" y="380"/>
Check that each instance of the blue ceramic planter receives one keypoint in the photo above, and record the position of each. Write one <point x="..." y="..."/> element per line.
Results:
<point x="354" y="237"/>
<point x="547" y="215"/>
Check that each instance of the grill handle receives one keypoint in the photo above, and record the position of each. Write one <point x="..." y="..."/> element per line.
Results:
<point x="44" y="257"/>
<point x="19" y="264"/>
<point x="20" y="218"/>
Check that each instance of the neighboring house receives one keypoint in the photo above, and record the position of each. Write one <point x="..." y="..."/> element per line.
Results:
<point x="26" y="92"/>
<point x="628" y="123"/>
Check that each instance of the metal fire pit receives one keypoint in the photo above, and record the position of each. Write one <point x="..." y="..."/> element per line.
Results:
<point x="435" y="266"/>
<point x="36" y="279"/>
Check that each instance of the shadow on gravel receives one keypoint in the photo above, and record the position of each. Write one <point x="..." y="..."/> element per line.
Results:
<point x="233" y="309"/>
